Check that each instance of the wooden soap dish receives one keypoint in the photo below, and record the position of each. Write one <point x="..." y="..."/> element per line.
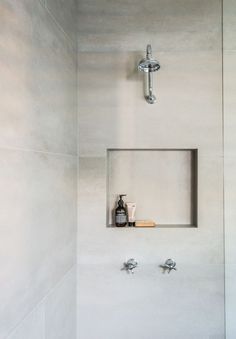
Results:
<point x="145" y="223"/>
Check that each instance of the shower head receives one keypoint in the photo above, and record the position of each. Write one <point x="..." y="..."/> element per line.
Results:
<point x="149" y="64"/>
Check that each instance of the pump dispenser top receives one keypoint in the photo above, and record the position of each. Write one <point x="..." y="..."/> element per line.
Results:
<point x="121" y="201"/>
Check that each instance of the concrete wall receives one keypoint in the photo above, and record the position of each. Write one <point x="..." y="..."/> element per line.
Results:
<point x="186" y="39"/>
<point x="230" y="162"/>
<point x="37" y="169"/>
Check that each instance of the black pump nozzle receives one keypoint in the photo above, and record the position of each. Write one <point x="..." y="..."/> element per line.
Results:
<point x="121" y="202"/>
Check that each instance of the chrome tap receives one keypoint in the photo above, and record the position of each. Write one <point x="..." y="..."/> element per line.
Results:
<point x="169" y="265"/>
<point x="129" y="266"/>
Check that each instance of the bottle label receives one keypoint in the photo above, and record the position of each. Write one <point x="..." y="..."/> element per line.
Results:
<point x="121" y="218"/>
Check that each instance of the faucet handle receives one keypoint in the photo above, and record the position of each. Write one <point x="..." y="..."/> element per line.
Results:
<point x="130" y="265"/>
<point x="169" y="265"/>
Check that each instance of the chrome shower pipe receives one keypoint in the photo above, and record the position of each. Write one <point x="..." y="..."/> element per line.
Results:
<point x="150" y="97"/>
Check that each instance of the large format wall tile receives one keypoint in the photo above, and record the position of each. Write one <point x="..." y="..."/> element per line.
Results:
<point x="114" y="113"/>
<point x="229" y="21"/>
<point x="38" y="80"/>
<point x="143" y="302"/>
<point x="187" y="41"/>
<point x="168" y="24"/>
<point x="60" y="309"/>
<point x="230" y="282"/>
<point x="38" y="228"/>
<point x="230" y="102"/>
<point x="65" y="12"/>
<point x="32" y="327"/>
<point x="229" y="25"/>
<point x="230" y="212"/>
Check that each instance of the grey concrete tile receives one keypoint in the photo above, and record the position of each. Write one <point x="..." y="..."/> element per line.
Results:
<point x="38" y="81"/>
<point x="152" y="299"/>
<point x="114" y="113"/>
<point x="230" y="213"/>
<point x="32" y="327"/>
<point x="168" y="25"/>
<point x="229" y="22"/>
<point x="230" y="298"/>
<point x="60" y="309"/>
<point x="38" y="229"/>
<point x="65" y="13"/>
<point x="229" y="103"/>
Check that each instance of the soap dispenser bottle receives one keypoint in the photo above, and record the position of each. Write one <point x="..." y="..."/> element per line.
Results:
<point x="121" y="213"/>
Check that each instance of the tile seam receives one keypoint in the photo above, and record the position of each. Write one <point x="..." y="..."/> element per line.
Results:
<point x="21" y="149"/>
<point x="73" y="45"/>
<point x="42" y="301"/>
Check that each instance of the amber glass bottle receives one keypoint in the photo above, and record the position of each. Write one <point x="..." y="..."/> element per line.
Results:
<point x="121" y="213"/>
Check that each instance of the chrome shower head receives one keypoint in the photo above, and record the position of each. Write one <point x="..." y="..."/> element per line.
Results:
<point x="149" y="64"/>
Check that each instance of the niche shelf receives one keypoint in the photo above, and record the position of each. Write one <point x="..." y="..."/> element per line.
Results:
<point x="162" y="182"/>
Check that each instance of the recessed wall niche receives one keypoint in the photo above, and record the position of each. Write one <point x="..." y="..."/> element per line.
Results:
<point x="162" y="182"/>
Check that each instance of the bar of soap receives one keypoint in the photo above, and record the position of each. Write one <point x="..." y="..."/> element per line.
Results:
<point x="145" y="223"/>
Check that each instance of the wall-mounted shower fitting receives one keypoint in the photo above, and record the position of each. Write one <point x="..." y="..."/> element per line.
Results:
<point x="169" y="265"/>
<point x="129" y="265"/>
<point x="148" y="66"/>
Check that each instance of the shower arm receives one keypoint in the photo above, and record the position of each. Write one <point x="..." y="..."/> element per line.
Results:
<point x="150" y="95"/>
<point x="148" y="66"/>
<point x="150" y="83"/>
